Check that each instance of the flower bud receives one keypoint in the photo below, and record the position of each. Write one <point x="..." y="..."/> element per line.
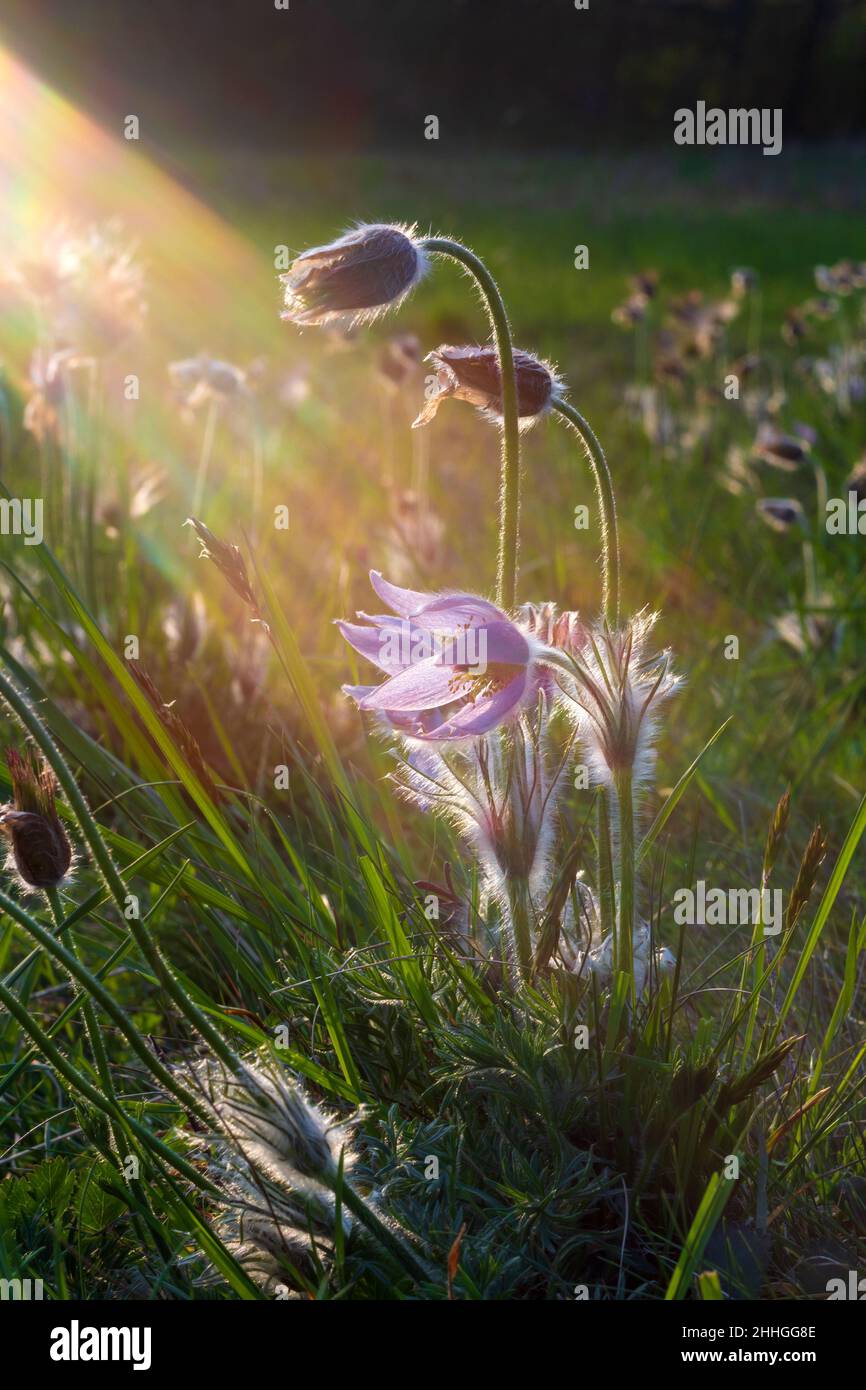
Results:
<point x="358" y="277"/>
<point x="39" y="848"/>
<point x="472" y="374"/>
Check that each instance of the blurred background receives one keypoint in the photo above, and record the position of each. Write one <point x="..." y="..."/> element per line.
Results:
<point x="499" y="73"/>
<point x="262" y="131"/>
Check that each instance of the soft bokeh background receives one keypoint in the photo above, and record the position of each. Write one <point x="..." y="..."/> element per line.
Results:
<point x="267" y="129"/>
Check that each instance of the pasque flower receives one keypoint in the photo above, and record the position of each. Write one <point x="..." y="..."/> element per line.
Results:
<point x="358" y="276"/>
<point x="501" y="794"/>
<point x="614" y="697"/>
<point x="474" y="721"/>
<point x="280" y="1158"/>
<point x="472" y="374"/>
<point x="456" y="665"/>
<point x="275" y="1156"/>
<point x="264" y="1111"/>
<point x="39" y="848"/>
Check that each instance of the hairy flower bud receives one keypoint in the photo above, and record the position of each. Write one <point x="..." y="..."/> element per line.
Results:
<point x="39" y="848"/>
<point x="472" y="374"/>
<point x="781" y="512"/>
<point x="359" y="276"/>
<point x="781" y="450"/>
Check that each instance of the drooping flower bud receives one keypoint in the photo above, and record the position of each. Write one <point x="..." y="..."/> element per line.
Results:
<point x="472" y="374"/>
<point x="781" y="450"/>
<point x="39" y="848"/>
<point x="781" y="512"/>
<point x="359" y="276"/>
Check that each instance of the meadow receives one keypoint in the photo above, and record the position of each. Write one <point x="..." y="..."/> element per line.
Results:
<point x="277" y="1032"/>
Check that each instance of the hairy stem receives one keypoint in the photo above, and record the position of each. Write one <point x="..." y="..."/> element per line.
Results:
<point x="91" y="1023"/>
<point x="520" y="923"/>
<point x="78" y="1082"/>
<point x="604" y="879"/>
<point x="509" y="495"/>
<point x="607" y="508"/>
<point x="95" y="989"/>
<point x="624" y="948"/>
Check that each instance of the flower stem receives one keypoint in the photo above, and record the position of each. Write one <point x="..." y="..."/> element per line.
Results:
<point x="91" y="1023"/>
<point x="605" y="865"/>
<point x="509" y="495"/>
<point x="624" y="949"/>
<point x="607" y="507"/>
<point x="520" y="920"/>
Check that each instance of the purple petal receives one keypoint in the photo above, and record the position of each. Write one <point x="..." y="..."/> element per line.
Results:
<point x="499" y="643"/>
<point x="485" y="714"/>
<point x="392" y="645"/>
<point x="402" y="601"/>
<point x="454" y="610"/>
<point x="422" y="686"/>
<point x="357" y="692"/>
<point x="414" y="723"/>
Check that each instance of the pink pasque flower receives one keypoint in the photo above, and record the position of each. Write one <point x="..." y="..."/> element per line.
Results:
<point x="456" y="666"/>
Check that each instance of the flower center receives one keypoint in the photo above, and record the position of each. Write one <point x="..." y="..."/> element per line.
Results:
<point x="482" y="684"/>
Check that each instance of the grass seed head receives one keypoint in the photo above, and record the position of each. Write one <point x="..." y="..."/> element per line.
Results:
<point x="228" y="560"/>
<point x="807" y="876"/>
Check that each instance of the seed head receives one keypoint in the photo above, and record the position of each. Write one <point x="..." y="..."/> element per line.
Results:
<point x="807" y="876"/>
<point x="228" y="560"/>
<point x="776" y="832"/>
<point x="264" y="1113"/>
<point x="178" y="730"/>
